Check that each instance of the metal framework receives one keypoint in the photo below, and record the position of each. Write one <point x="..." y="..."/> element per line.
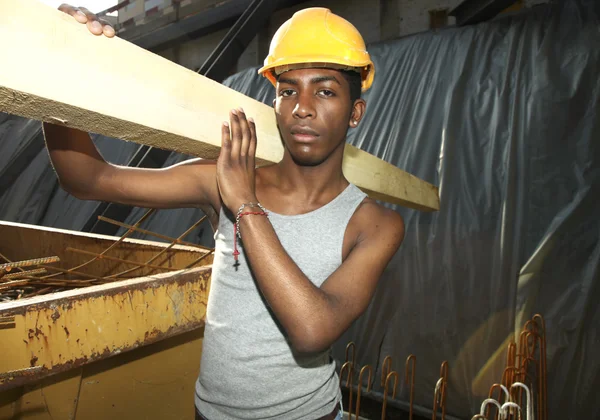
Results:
<point x="470" y="12"/>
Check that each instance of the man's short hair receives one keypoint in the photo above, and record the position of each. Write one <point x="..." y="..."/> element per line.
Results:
<point x="355" y="82"/>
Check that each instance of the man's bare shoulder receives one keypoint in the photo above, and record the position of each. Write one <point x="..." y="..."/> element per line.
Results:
<point x="375" y="222"/>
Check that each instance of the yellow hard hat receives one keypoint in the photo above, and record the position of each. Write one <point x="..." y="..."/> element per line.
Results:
<point x="315" y="37"/>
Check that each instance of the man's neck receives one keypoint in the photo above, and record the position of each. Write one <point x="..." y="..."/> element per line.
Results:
<point x="308" y="187"/>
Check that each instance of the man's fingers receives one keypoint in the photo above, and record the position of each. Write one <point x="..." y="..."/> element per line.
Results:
<point x="252" y="145"/>
<point x="108" y="30"/>
<point x="94" y="26"/>
<point x="73" y="11"/>
<point x="236" y="134"/>
<point x="245" y="133"/>
<point x="225" y="143"/>
<point x="82" y="15"/>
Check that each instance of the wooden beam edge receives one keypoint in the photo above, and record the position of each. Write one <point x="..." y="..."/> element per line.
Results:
<point x="197" y="134"/>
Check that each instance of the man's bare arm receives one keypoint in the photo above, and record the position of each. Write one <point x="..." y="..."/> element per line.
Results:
<point x="83" y="172"/>
<point x="315" y="317"/>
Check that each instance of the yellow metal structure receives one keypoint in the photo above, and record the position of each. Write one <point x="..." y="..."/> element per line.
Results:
<point x="144" y="334"/>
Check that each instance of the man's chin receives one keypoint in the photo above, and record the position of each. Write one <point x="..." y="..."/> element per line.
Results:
<point x="308" y="161"/>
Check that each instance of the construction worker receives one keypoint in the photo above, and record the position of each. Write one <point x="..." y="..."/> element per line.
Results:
<point x="298" y="249"/>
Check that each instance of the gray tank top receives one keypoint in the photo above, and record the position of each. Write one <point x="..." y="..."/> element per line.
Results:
<point x="248" y="369"/>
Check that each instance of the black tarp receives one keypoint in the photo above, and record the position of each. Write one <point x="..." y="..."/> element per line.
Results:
<point x="504" y="118"/>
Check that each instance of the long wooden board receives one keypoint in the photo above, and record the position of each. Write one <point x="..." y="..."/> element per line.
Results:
<point x="52" y="69"/>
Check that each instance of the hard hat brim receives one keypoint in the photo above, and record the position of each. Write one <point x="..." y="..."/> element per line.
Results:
<point x="366" y="70"/>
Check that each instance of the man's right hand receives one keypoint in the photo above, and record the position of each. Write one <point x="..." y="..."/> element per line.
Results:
<point x="96" y="25"/>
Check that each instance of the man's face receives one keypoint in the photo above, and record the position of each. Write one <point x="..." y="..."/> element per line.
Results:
<point x="314" y="111"/>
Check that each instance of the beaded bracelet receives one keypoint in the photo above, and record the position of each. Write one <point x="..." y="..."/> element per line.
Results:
<point x="236" y="227"/>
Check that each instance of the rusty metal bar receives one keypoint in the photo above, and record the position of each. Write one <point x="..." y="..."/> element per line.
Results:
<point x="350" y="373"/>
<point x="3" y="272"/>
<point x="386" y="367"/>
<point x="20" y="372"/>
<point x="125" y="235"/>
<point x="360" y="381"/>
<point x="439" y="395"/>
<point x="352" y="346"/>
<point x="392" y="374"/>
<point x="106" y="257"/>
<point x="40" y="292"/>
<point x="350" y="367"/>
<point x="511" y="354"/>
<point x="37" y="281"/>
<point x="70" y="271"/>
<point x="11" y="284"/>
<point x="8" y="261"/>
<point x="60" y="283"/>
<point x="193" y="263"/>
<point x="169" y="247"/>
<point x="410" y="358"/>
<point x="20" y="274"/>
<point x="502" y="389"/>
<point x="444" y="376"/>
<point x="544" y="373"/>
<point x="28" y="263"/>
<point x="157" y="235"/>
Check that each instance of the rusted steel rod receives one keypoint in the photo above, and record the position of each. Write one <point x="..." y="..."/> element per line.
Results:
<point x="194" y="226"/>
<point x="543" y="391"/>
<point x="28" y="263"/>
<point x="350" y="346"/>
<point x="444" y="376"/>
<point x="439" y="395"/>
<point x="60" y="271"/>
<point x="11" y="284"/>
<point x="360" y="381"/>
<point x="20" y="274"/>
<point x="193" y="263"/>
<point x="349" y="366"/>
<point x="411" y="358"/>
<point x="392" y="374"/>
<point x="386" y="367"/>
<point x="107" y="257"/>
<point x="121" y="239"/>
<point x="156" y="235"/>
<point x="20" y="372"/>
<point x="502" y="389"/>
<point x="40" y="291"/>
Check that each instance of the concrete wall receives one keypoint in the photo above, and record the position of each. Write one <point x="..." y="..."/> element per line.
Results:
<point x="377" y="21"/>
<point x="133" y="9"/>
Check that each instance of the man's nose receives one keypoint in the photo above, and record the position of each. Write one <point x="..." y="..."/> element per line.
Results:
<point x="304" y="107"/>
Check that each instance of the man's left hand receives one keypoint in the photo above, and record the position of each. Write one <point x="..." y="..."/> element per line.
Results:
<point x="236" y="164"/>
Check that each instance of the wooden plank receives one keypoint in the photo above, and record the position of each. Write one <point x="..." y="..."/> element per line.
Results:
<point x="54" y="70"/>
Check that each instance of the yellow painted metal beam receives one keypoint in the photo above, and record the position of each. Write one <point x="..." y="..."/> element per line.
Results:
<point x="58" y="332"/>
<point x="54" y="70"/>
<point x="151" y="382"/>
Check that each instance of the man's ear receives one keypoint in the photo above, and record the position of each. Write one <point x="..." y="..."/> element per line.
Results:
<point x="358" y="111"/>
<point x="274" y="100"/>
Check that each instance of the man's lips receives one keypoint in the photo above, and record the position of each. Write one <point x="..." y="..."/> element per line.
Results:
<point x="303" y="133"/>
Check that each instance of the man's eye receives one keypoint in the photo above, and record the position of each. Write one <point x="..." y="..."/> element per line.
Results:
<point x="326" y="92"/>
<point x="286" y="92"/>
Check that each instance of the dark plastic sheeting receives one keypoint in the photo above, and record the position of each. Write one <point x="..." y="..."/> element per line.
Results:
<point x="504" y="117"/>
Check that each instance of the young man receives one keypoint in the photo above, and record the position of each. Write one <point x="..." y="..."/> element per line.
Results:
<point x="311" y="247"/>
